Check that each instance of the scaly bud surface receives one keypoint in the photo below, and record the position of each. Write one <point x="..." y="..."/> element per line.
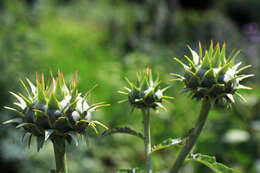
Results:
<point x="146" y="93"/>
<point x="54" y="109"/>
<point x="212" y="74"/>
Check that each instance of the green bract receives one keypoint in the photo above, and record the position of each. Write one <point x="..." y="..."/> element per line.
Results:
<point x="53" y="110"/>
<point x="146" y="93"/>
<point x="212" y="75"/>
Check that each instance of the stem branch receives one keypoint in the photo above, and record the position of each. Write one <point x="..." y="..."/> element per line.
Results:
<point x="192" y="138"/>
<point x="147" y="139"/>
<point x="60" y="154"/>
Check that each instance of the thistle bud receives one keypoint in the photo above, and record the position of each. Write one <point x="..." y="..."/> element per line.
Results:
<point x="212" y="74"/>
<point x="146" y="93"/>
<point x="54" y="109"/>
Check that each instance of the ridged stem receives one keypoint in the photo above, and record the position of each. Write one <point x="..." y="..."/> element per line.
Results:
<point x="60" y="154"/>
<point x="193" y="136"/>
<point x="147" y="140"/>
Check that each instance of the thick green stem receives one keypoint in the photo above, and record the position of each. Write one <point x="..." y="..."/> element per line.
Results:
<point x="60" y="154"/>
<point x="147" y="140"/>
<point x="193" y="136"/>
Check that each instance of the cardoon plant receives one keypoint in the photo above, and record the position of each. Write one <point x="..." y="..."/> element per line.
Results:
<point x="145" y="95"/>
<point x="213" y="78"/>
<point x="54" y="111"/>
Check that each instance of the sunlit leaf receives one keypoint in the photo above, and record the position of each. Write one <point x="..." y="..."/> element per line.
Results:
<point x="166" y="144"/>
<point x="132" y="170"/>
<point x="126" y="130"/>
<point x="210" y="161"/>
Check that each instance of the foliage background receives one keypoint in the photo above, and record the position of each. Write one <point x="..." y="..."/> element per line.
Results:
<point x="107" y="40"/>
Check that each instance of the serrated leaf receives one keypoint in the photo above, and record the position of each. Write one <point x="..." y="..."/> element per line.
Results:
<point x="15" y="120"/>
<point x="125" y="130"/>
<point x="166" y="144"/>
<point x="210" y="161"/>
<point x="132" y="170"/>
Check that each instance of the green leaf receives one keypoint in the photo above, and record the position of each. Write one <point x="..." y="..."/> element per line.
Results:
<point x="32" y="86"/>
<point x="191" y="63"/>
<point x="53" y="102"/>
<point x="26" y="125"/>
<point x="243" y="68"/>
<point x="206" y="63"/>
<point x="22" y="103"/>
<point x="40" y="93"/>
<point x="216" y="61"/>
<point x="93" y="126"/>
<point x="15" y="110"/>
<point x="223" y="54"/>
<point x="99" y="123"/>
<point x="231" y="98"/>
<point x="200" y="51"/>
<point x="125" y="130"/>
<point x="35" y="130"/>
<point x="194" y="55"/>
<point x="28" y="102"/>
<point x="132" y="170"/>
<point x="25" y="87"/>
<point x="166" y="144"/>
<point x="180" y="62"/>
<point x="210" y="161"/>
<point x="211" y="50"/>
<point x="15" y="120"/>
<point x="243" y="87"/>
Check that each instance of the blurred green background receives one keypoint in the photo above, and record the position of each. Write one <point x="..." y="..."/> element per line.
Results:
<point x="106" y="40"/>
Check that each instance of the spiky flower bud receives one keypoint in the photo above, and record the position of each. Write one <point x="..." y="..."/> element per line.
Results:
<point x="146" y="93"/>
<point x="54" y="109"/>
<point x="212" y="75"/>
